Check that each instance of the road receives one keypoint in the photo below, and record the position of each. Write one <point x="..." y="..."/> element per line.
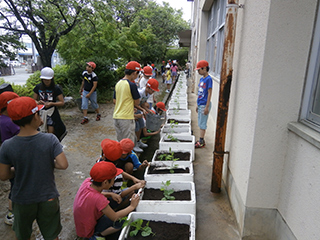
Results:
<point x="20" y="78"/>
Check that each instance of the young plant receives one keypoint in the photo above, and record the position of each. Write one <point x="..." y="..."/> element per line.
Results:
<point x="137" y="226"/>
<point x="167" y="192"/>
<point x="172" y="138"/>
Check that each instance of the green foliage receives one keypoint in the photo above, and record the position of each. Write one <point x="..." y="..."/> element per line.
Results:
<point x="137" y="226"/>
<point x="9" y="43"/>
<point x="167" y="192"/>
<point x="180" y="54"/>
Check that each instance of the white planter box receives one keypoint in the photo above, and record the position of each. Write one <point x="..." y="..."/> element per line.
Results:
<point x="177" y="129"/>
<point x="188" y="219"/>
<point x="159" y="152"/>
<point x="181" y="98"/>
<point x="180" y="105"/>
<point x="170" y="176"/>
<point x="170" y="206"/>
<point x="183" y="120"/>
<point x="175" y="113"/>
<point x="178" y="145"/>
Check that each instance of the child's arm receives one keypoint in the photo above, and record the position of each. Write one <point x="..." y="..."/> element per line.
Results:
<point x="133" y="188"/>
<point x="61" y="162"/>
<point x="114" y="196"/>
<point x="95" y="84"/>
<point x="132" y="178"/>
<point x="114" y="216"/>
<point x="6" y="172"/>
<point x="81" y="88"/>
<point x="143" y="165"/>
<point x="147" y="134"/>
<point x="206" y="109"/>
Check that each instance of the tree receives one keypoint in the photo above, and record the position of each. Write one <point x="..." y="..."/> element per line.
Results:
<point x="8" y="44"/>
<point x="44" y="21"/>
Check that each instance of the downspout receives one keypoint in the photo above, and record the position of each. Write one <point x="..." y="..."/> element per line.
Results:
<point x="224" y="94"/>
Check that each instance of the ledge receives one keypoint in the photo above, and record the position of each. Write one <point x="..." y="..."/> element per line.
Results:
<point x="305" y="132"/>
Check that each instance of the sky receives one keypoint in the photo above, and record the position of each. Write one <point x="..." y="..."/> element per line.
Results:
<point x="177" y="4"/>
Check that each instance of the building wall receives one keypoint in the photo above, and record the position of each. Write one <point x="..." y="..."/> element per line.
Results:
<point x="271" y="173"/>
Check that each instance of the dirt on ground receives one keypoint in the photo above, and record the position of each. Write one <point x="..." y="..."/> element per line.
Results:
<point x="82" y="148"/>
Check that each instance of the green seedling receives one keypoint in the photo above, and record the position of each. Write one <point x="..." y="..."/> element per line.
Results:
<point x="167" y="192"/>
<point x="137" y="226"/>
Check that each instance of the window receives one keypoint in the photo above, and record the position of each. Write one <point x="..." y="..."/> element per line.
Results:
<point x="215" y="38"/>
<point x="310" y="111"/>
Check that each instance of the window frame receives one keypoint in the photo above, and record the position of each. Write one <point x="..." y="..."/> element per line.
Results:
<point x="307" y="116"/>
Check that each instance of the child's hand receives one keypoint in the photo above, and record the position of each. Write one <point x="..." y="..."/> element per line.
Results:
<point x="117" y="198"/>
<point x="140" y="184"/>
<point x="135" y="200"/>
<point x="145" y="163"/>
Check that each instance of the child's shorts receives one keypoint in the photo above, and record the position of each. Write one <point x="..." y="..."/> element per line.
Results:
<point x="169" y="81"/>
<point x="202" y="119"/>
<point x="46" y="213"/>
<point x="93" y="100"/>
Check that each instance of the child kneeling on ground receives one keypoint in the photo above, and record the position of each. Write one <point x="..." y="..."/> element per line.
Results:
<point x="93" y="216"/>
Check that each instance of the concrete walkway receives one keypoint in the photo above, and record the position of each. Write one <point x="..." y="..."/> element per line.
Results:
<point x="215" y="218"/>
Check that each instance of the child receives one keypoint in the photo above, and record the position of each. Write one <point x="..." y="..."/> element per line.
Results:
<point x="88" y="89"/>
<point x="163" y="71"/>
<point x="174" y="70"/>
<point x="129" y="160"/>
<point x="154" y="71"/>
<point x="168" y="78"/>
<point x="8" y="129"/>
<point x="50" y="95"/>
<point x="160" y="108"/>
<point x="93" y="216"/>
<point x="34" y="156"/>
<point x="204" y="100"/>
<point x="147" y="72"/>
<point x="118" y="197"/>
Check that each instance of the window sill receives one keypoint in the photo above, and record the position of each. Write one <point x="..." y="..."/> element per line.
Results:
<point x="306" y="133"/>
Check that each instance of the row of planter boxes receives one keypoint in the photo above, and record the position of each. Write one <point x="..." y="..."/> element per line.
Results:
<point x="166" y="159"/>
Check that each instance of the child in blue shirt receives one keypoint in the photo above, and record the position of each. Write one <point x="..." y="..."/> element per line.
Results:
<point x="203" y="100"/>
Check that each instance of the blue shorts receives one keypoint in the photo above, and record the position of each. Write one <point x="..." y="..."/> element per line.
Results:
<point x="202" y="119"/>
<point x="173" y="74"/>
<point x="93" y="100"/>
<point x="139" y="123"/>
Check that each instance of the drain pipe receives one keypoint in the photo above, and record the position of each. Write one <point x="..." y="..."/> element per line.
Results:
<point x="224" y="94"/>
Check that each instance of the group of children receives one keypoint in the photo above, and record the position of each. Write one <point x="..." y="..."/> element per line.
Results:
<point x="101" y="200"/>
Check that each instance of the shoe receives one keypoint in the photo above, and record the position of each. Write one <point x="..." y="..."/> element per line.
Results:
<point x="167" y="91"/>
<point x="84" y="121"/>
<point x="142" y="145"/>
<point x="63" y="135"/>
<point x="198" y="144"/>
<point x="98" y="117"/>
<point x="96" y="238"/>
<point x="9" y="218"/>
<point x="137" y="149"/>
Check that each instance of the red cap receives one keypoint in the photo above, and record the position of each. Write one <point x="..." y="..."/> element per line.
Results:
<point x="22" y="107"/>
<point x="6" y="97"/>
<point x="161" y="106"/>
<point x="202" y="64"/>
<point x="102" y="171"/>
<point x="152" y="65"/>
<point x="153" y="84"/>
<point x="133" y="65"/>
<point x="111" y="149"/>
<point x="92" y="64"/>
<point x="147" y="71"/>
<point x="127" y="145"/>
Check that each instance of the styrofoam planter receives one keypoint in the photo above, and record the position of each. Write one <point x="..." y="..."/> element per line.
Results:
<point x="177" y="129"/>
<point x="159" y="152"/>
<point x="170" y="176"/>
<point x="176" y="112"/>
<point x="184" y="120"/>
<point x="170" y="206"/>
<point x="181" y="218"/>
<point x="178" y="145"/>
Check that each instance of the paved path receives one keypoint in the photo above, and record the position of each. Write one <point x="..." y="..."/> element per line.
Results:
<point x="19" y="78"/>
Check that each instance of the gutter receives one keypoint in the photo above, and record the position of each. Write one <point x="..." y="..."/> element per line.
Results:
<point x="224" y="94"/>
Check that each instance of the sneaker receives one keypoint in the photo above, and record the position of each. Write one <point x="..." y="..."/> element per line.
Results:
<point x="137" y="149"/>
<point x="167" y="91"/>
<point x="84" y="121"/>
<point x="95" y="237"/>
<point x="98" y="117"/>
<point x="9" y="218"/>
<point x="142" y="145"/>
<point x="198" y="144"/>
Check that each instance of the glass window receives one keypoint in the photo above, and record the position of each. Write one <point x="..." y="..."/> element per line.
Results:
<point x="215" y="38"/>
<point x="310" y="110"/>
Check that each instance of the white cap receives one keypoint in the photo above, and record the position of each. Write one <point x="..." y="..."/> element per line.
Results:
<point x="168" y="66"/>
<point x="47" y="73"/>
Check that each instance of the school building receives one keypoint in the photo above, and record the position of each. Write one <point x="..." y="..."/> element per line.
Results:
<point x="267" y="54"/>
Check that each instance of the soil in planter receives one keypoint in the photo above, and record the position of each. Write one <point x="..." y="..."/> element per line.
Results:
<point x="157" y="194"/>
<point x="152" y="170"/>
<point x="164" y="231"/>
<point x="176" y="121"/>
<point x="178" y="140"/>
<point x="183" y="156"/>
